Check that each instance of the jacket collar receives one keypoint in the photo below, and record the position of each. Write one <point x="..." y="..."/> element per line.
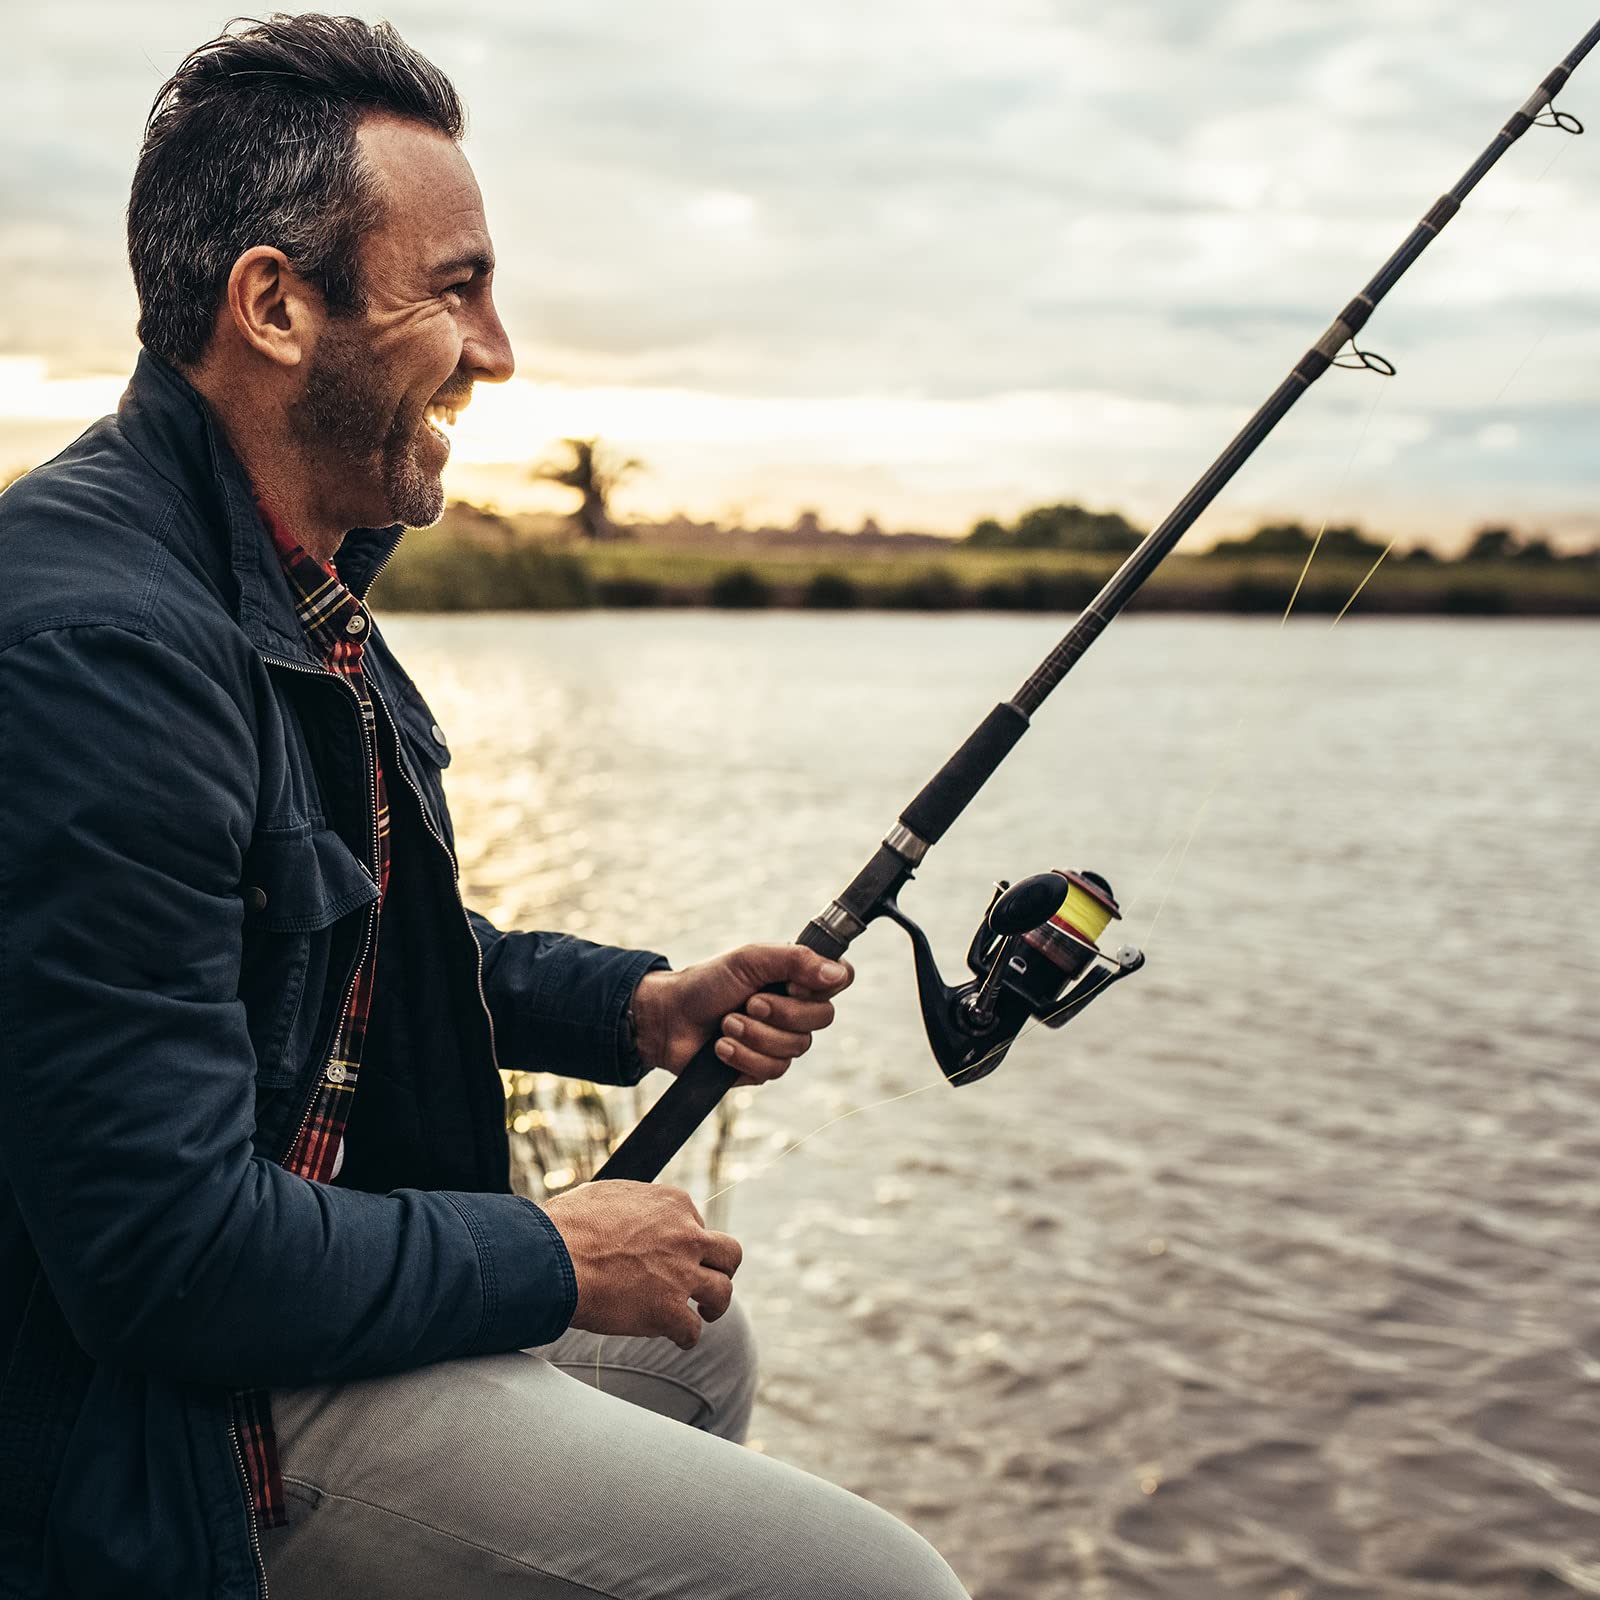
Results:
<point x="168" y="421"/>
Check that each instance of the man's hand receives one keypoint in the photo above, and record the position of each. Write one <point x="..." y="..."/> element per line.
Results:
<point x="677" y="1012"/>
<point x="642" y="1252"/>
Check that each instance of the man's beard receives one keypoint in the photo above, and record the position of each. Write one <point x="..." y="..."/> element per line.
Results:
<point x="346" y="422"/>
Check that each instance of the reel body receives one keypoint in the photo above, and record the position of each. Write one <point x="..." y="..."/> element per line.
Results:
<point x="1034" y="955"/>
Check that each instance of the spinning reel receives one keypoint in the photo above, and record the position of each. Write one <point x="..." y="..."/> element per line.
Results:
<point x="1034" y="955"/>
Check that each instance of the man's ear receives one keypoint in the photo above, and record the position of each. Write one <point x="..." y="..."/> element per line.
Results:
<point x="272" y="308"/>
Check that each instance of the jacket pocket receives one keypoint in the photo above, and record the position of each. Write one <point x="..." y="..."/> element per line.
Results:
<point x="425" y="753"/>
<point x="297" y="889"/>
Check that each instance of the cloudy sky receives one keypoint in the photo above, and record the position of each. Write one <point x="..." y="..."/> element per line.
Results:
<point x="927" y="260"/>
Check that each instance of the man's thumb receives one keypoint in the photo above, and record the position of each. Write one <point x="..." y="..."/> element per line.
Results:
<point x="792" y="963"/>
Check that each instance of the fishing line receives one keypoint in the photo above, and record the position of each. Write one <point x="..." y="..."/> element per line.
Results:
<point x="1245" y="717"/>
<point x="1230" y="750"/>
<point x="1362" y="585"/>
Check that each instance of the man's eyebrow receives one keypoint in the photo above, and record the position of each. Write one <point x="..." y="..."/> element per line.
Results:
<point x="480" y="263"/>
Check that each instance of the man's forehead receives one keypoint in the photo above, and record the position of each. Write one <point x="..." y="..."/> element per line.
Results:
<point x="431" y="197"/>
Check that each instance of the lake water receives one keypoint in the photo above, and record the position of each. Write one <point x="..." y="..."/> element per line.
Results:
<point x="1275" y="1275"/>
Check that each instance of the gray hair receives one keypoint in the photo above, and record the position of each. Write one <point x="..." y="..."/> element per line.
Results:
<point x="252" y="141"/>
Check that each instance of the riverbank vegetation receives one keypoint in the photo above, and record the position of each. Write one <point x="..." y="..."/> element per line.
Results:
<point x="1053" y="558"/>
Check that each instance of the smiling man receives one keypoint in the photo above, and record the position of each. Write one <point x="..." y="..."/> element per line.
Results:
<point x="268" y="1307"/>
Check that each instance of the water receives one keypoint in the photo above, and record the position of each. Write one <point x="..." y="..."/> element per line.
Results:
<point x="1278" y="1273"/>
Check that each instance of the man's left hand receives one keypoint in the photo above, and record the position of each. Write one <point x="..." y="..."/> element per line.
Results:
<point x="675" y="1013"/>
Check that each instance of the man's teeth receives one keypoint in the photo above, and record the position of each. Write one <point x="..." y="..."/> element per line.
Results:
<point x="442" y="414"/>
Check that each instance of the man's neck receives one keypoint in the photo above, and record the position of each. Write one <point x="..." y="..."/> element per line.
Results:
<point x="272" y="461"/>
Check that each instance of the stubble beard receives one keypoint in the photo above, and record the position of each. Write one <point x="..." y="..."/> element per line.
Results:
<point x="347" y="425"/>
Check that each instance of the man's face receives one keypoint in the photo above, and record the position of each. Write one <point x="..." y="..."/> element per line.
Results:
<point x="379" y="383"/>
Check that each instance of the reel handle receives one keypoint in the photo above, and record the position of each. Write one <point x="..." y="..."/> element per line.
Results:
<point x="686" y="1103"/>
<point x="1023" y="906"/>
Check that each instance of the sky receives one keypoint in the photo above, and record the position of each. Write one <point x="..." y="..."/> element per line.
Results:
<point x="928" y="261"/>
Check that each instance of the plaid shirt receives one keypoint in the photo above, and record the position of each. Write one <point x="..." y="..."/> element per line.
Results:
<point x="336" y="626"/>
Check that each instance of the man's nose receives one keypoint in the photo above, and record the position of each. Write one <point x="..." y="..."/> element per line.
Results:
<point x="487" y="351"/>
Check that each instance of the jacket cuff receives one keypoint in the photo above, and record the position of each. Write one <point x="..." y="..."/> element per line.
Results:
<point x="630" y="1066"/>
<point x="530" y="1291"/>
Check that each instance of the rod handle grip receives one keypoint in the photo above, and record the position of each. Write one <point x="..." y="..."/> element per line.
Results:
<point x="666" y="1126"/>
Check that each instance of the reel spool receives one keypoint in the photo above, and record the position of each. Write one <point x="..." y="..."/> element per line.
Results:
<point x="1034" y="955"/>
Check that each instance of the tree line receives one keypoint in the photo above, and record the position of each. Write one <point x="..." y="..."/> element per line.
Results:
<point x="1073" y="528"/>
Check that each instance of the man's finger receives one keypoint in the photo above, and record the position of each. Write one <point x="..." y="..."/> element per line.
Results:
<point x="721" y="1252"/>
<point x="804" y="1015"/>
<point x="685" y="1327"/>
<point x="713" y="1294"/>
<point x="824" y="977"/>
<point x="794" y="965"/>
<point x="755" y="1067"/>
<point x="683" y="1197"/>
<point x="765" y="1039"/>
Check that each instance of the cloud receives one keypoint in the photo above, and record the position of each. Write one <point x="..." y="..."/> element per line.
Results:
<point x="922" y="202"/>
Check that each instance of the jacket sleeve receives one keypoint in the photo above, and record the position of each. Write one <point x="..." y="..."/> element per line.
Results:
<point x="560" y="1004"/>
<point x="127" y="799"/>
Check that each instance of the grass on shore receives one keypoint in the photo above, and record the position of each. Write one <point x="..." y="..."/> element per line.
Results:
<point x="436" y="571"/>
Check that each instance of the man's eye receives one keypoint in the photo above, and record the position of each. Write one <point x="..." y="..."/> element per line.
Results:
<point x="458" y="289"/>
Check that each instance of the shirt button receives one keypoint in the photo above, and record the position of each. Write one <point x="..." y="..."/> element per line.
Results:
<point x="357" y="624"/>
<point x="256" y="898"/>
<point x="336" y="1072"/>
<point x="438" y="735"/>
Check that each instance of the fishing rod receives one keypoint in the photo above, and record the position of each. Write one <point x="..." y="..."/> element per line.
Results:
<point x="1035" y="953"/>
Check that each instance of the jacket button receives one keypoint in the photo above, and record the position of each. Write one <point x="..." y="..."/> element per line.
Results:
<point x="336" y="1072"/>
<point x="438" y="737"/>
<point x="256" y="898"/>
<point x="357" y="624"/>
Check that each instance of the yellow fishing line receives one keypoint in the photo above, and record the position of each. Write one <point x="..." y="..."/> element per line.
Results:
<point x="1085" y="913"/>
<point x="1316" y="544"/>
<point x="1362" y="585"/>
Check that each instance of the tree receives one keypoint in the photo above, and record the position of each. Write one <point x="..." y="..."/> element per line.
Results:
<point x="1273" y="539"/>
<point x="1060" y="527"/>
<point x="1070" y="527"/>
<point x="1347" y="543"/>
<point x="1492" y="544"/>
<point x="596" y="474"/>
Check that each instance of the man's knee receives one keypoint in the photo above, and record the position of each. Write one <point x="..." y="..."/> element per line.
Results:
<point x="858" y="1551"/>
<point x="917" y="1572"/>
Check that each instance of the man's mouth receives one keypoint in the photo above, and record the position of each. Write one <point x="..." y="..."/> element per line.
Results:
<point x="438" y="415"/>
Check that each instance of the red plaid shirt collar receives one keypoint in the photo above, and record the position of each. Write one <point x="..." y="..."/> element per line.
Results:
<point x="334" y="622"/>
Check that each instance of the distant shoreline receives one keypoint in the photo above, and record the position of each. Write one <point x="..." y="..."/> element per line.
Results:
<point x="468" y="567"/>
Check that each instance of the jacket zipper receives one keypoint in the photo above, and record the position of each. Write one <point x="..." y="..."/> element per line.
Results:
<point x="250" y="1510"/>
<point x="366" y="944"/>
<point x="368" y="742"/>
<point x="427" y="822"/>
<point x="455" y="870"/>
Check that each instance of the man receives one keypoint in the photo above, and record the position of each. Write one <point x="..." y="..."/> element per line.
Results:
<point x="267" y="1306"/>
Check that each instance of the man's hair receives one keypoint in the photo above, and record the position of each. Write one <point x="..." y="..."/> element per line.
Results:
<point x="252" y="141"/>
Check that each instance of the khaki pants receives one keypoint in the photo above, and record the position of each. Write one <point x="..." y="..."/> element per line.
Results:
<point x="515" y="1476"/>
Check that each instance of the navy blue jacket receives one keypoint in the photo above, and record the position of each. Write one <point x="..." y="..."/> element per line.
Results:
<point x="184" y="818"/>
